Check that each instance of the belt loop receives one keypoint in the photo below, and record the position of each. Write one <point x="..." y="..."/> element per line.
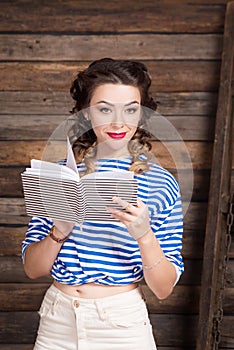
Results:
<point x="101" y="312"/>
<point x="55" y="302"/>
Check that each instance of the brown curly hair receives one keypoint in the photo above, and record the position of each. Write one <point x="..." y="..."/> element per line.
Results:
<point x="110" y="71"/>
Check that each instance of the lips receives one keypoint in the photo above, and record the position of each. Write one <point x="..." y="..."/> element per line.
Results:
<point x="117" y="135"/>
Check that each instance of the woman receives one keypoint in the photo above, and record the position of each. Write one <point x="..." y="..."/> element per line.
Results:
<point x="95" y="302"/>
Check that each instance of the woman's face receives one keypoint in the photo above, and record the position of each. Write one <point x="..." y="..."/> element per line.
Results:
<point x="115" y="114"/>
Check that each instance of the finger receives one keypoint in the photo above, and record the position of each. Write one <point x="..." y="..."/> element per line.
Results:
<point x="140" y="204"/>
<point x="120" y="215"/>
<point x="121" y="202"/>
<point x="126" y="205"/>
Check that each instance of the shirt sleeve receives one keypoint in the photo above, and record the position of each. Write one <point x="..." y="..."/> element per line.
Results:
<point x="167" y="223"/>
<point x="38" y="229"/>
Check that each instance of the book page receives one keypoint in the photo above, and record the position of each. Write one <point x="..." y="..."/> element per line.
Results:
<point x="71" y="162"/>
<point x="112" y="174"/>
<point x="54" y="170"/>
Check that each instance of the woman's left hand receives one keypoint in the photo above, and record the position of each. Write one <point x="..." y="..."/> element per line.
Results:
<point x="135" y="218"/>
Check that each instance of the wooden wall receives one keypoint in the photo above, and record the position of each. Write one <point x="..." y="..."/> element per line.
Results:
<point x="42" y="45"/>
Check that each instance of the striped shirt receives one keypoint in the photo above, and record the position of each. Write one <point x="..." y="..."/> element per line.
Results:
<point x="104" y="252"/>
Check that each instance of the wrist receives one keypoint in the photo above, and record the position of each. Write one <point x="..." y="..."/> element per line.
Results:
<point x="56" y="235"/>
<point x="147" y="239"/>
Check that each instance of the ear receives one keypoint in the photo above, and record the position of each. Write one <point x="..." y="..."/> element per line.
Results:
<point x="86" y="115"/>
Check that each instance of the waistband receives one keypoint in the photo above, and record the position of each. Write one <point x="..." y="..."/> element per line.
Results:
<point x="130" y="297"/>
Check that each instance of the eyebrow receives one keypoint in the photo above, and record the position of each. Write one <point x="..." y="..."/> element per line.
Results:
<point x="110" y="104"/>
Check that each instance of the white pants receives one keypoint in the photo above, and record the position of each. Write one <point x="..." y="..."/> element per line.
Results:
<point x="118" y="322"/>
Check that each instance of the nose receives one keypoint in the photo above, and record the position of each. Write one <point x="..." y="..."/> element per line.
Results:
<point x="118" y="118"/>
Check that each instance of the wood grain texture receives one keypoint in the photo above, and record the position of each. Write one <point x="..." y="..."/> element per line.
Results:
<point x="167" y="76"/>
<point x="118" y="16"/>
<point x="47" y="47"/>
<point x="43" y="45"/>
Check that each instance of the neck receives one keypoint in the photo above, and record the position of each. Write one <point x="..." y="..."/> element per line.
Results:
<point x="103" y="152"/>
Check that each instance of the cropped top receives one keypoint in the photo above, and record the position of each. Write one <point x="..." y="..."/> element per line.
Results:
<point x="104" y="252"/>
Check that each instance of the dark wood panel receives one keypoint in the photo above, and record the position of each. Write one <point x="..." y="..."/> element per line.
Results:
<point x="159" y="16"/>
<point x="10" y="181"/>
<point x="174" y="330"/>
<point x="12" y="272"/>
<point x="60" y="103"/>
<point x="21" y="152"/>
<point x="36" y="47"/>
<point x="215" y="241"/>
<point x="41" y="127"/>
<point x="227" y="339"/>
<point x="17" y="346"/>
<point x="28" y="295"/>
<point x="167" y="76"/>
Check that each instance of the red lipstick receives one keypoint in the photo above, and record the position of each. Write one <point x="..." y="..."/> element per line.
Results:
<point x="117" y="135"/>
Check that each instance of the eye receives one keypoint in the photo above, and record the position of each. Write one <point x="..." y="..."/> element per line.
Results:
<point x="105" y="110"/>
<point x="132" y="110"/>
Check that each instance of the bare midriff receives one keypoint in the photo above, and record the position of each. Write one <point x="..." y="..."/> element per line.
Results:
<point x="93" y="290"/>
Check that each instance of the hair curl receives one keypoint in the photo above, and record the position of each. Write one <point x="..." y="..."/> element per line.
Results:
<point x="110" y="71"/>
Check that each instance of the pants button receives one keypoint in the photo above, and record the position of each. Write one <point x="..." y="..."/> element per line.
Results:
<point x="76" y="303"/>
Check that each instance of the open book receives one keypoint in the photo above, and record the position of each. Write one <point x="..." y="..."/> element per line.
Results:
<point x="57" y="191"/>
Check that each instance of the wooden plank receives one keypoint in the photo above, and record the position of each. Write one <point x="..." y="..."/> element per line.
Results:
<point x="167" y="76"/>
<point x="40" y="127"/>
<point x="60" y="103"/>
<point x="11" y="238"/>
<point x="227" y="339"/>
<point x="16" y="346"/>
<point x="10" y="182"/>
<point x="220" y="184"/>
<point x="174" y="330"/>
<point x="18" y="327"/>
<point x="47" y="47"/>
<point x="195" y="17"/>
<point x="19" y="153"/>
<point x="12" y="271"/>
<point x="28" y="295"/>
<point x="29" y="127"/>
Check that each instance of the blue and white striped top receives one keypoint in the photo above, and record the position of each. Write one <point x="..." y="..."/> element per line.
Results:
<point x="104" y="252"/>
